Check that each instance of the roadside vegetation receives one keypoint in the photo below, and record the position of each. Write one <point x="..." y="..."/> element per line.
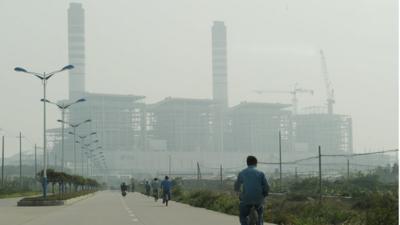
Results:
<point x="363" y="199"/>
<point x="65" y="196"/>
<point x="61" y="186"/>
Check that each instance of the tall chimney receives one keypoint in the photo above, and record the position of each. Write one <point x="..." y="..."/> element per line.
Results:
<point x="76" y="50"/>
<point x="219" y="64"/>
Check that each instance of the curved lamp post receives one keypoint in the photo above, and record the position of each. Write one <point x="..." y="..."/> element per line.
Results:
<point x="63" y="107"/>
<point x="44" y="77"/>
<point x="74" y="126"/>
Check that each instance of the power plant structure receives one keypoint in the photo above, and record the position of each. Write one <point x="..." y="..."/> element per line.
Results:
<point x="137" y="137"/>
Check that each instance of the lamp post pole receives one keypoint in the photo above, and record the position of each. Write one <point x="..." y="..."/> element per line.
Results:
<point x="35" y="161"/>
<point x="82" y="142"/>
<point x="91" y="156"/>
<point x="20" y="160"/>
<point x="62" y="139"/>
<point x="2" y="162"/>
<point x="74" y="126"/>
<point x="44" y="78"/>
<point x="63" y="107"/>
<point x="44" y="81"/>
<point x="82" y="154"/>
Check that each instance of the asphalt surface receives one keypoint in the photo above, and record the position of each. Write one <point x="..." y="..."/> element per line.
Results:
<point x="110" y="208"/>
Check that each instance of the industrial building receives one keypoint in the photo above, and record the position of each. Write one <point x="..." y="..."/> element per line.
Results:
<point x="255" y="128"/>
<point x="332" y="132"/>
<point x="183" y="124"/>
<point x="136" y="135"/>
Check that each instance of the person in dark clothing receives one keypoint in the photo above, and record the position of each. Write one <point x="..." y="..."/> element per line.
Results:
<point x="253" y="187"/>
<point x="148" y="188"/>
<point x="124" y="188"/>
<point x="166" y="189"/>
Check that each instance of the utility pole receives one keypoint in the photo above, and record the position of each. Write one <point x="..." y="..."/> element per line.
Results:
<point x="87" y="164"/>
<point x="62" y="139"/>
<point x="2" y="162"/>
<point x="55" y="159"/>
<point x="348" y="169"/>
<point x="35" y="160"/>
<point x="82" y="159"/>
<point x="320" y="174"/>
<point x="295" y="174"/>
<point x="20" y="160"/>
<point x="198" y="171"/>
<point x="280" y="162"/>
<point x="74" y="127"/>
<point x="169" y="165"/>
<point x="220" y="174"/>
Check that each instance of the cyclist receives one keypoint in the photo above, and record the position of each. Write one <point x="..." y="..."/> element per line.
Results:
<point x="155" y="186"/>
<point x="166" y="190"/>
<point x="147" y="187"/>
<point x="132" y="185"/>
<point x="255" y="188"/>
<point x="124" y="188"/>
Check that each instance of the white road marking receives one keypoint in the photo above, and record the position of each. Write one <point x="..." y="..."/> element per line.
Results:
<point x="134" y="219"/>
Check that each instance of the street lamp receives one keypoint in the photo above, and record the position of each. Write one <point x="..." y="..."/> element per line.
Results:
<point x="63" y="107"/>
<point x="82" y="142"/>
<point x="74" y="126"/>
<point x="92" y="156"/>
<point x="44" y="77"/>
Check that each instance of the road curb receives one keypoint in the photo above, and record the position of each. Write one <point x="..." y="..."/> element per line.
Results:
<point x="77" y="199"/>
<point x="30" y="202"/>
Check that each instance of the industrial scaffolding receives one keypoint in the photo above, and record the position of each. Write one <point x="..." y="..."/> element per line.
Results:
<point x="255" y="128"/>
<point x="184" y="124"/>
<point x="333" y="132"/>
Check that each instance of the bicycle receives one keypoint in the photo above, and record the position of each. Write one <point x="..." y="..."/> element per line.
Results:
<point x="252" y="219"/>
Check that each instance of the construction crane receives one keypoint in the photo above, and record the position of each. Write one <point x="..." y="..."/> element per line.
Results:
<point x="294" y="93"/>
<point x="328" y="85"/>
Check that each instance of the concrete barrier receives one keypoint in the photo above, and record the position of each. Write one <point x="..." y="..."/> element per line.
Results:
<point x="34" y="202"/>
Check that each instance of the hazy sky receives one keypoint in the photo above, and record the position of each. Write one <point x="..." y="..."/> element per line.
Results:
<point x="163" y="48"/>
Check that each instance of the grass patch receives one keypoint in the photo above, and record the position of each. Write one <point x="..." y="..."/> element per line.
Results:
<point x="19" y="194"/>
<point x="367" y="207"/>
<point x="65" y="196"/>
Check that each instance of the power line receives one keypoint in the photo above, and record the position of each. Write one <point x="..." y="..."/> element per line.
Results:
<point x="361" y="154"/>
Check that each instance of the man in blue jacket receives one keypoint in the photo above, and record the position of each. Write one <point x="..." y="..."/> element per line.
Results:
<point x="166" y="189"/>
<point x="254" y="188"/>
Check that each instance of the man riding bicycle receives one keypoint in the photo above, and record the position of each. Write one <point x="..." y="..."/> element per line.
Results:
<point x="254" y="188"/>
<point x="124" y="188"/>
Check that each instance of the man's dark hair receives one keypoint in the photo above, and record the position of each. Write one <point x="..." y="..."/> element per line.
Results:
<point x="155" y="178"/>
<point x="166" y="177"/>
<point x="251" y="160"/>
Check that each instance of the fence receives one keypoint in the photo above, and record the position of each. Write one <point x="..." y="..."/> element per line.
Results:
<point x="322" y="166"/>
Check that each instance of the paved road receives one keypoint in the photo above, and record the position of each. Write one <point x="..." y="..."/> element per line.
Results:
<point x="109" y="208"/>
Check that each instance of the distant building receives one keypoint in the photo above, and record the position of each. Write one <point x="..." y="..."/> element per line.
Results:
<point x="184" y="124"/>
<point x="332" y="132"/>
<point x="255" y="128"/>
<point x="119" y="121"/>
<point x="181" y="132"/>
